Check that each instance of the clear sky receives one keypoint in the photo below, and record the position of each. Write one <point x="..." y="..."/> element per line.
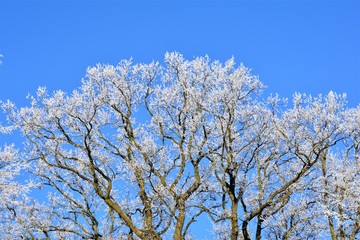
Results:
<point x="304" y="46"/>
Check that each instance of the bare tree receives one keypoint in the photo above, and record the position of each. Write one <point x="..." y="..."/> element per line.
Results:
<point x="339" y="188"/>
<point x="140" y="151"/>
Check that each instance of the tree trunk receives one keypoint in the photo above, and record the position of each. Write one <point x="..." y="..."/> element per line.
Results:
<point x="180" y="223"/>
<point x="245" y="232"/>
<point x="234" y="221"/>
<point x="258" y="228"/>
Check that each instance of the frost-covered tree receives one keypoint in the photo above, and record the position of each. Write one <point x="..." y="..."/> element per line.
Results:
<point x="140" y="151"/>
<point x="339" y="186"/>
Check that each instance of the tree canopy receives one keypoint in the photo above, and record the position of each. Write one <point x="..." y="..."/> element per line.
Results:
<point x="141" y="151"/>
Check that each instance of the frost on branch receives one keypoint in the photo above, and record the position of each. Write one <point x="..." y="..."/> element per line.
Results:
<point x="141" y="151"/>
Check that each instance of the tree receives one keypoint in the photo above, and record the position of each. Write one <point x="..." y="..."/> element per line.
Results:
<point x="265" y="161"/>
<point x="339" y="188"/>
<point x="9" y="189"/>
<point x="140" y="151"/>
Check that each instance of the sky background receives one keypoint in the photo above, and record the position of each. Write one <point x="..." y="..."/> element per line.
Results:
<point x="303" y="46"/>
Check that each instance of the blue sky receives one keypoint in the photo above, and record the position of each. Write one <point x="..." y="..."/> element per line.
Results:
<point x="304" y="46"/>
